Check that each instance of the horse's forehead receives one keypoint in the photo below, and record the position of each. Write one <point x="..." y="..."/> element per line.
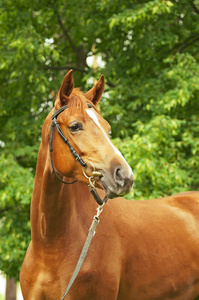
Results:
<point x="97" y="118"/>
<point x="86" y="114"/>
<point x="98" y="121"/>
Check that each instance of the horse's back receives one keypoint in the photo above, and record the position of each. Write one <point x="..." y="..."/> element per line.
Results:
<point x="188" y="201"/>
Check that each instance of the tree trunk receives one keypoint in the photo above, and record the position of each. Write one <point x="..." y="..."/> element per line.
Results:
<point x="11" y="289"/>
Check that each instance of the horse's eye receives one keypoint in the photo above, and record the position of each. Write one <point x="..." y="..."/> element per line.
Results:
<point x="75" y="126"/>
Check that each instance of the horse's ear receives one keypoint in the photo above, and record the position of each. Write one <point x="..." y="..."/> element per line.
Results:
<point x="95" y="93"/>
<point x="66" y="88"/>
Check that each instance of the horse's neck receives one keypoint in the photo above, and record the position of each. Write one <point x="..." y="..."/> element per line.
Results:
<point x="56" y="207"/>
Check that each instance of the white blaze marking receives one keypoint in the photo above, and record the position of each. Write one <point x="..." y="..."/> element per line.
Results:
<point x="94" y="117"/>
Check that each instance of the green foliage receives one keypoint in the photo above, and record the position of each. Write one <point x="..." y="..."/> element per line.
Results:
<point x="16" y="187"/>
<point x="150" y="59"/>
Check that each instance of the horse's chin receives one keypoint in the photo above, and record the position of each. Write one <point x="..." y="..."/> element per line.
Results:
<point x="112" y="195"/>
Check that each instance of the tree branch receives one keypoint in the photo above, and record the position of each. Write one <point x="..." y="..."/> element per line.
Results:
<point x="187" y="43"/>
<point x="195" y="8"/>
<point x="66" y="32"/>
<point x="64" y="68"/>
<point x="110" y="84"/>
<point x="81" y="55"/>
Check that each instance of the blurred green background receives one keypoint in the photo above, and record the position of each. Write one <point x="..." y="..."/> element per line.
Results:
<point x="148" y="52"/>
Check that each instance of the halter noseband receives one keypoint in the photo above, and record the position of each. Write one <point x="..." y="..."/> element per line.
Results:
<point x="53" y="125"/>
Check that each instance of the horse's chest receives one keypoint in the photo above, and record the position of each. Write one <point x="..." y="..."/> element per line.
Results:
<point x="92" y="282"/>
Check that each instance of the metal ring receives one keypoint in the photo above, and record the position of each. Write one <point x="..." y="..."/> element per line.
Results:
<point x="88" y="162"/>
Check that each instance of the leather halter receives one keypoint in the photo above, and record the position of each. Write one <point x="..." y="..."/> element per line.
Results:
<point x="53" y="125"/>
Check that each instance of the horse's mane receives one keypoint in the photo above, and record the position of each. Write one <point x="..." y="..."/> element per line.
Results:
<point x="77" y="103"/>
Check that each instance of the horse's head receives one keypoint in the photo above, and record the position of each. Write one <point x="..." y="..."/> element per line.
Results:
<point x="88" y="134"/>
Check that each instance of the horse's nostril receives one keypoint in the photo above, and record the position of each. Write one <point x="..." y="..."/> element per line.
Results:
<point x="122" y="177"/>
<point x="119" y="176"/>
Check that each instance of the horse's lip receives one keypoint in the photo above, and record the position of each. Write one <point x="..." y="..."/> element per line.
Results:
<point x="107" y="190"/>
<point x="111" y="190"/>
<point x="98" y="183"/>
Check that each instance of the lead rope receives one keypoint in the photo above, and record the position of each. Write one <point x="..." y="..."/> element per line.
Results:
<point x="85" y="248"/>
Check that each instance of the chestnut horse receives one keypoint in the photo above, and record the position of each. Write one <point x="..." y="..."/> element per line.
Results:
<point x="142" y="250"/>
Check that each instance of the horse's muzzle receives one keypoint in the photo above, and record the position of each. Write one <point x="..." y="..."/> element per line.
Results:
<point x="118" y="182"/>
